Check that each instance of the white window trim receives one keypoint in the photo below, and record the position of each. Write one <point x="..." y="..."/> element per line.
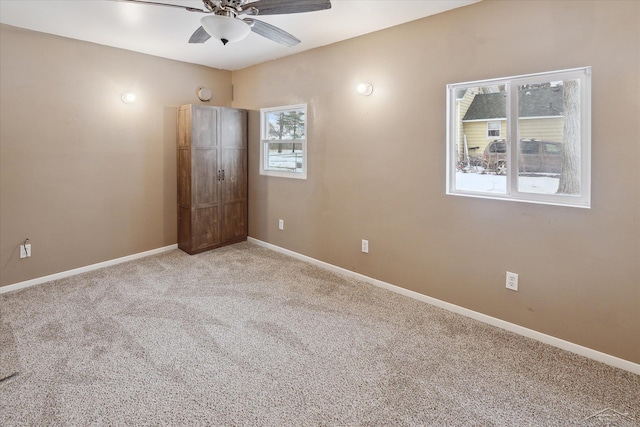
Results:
<point x="584" y="199"/>
<point x="264" y="141"/>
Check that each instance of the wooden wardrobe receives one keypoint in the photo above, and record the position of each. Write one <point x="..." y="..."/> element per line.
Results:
<point x="212" y="177"/>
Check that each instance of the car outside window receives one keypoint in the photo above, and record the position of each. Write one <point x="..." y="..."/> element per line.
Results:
<point x="530" y="147"/>
<point x="554" y="149"/>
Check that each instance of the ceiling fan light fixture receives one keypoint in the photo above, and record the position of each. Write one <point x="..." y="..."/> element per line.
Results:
<point x="225" y="28"/>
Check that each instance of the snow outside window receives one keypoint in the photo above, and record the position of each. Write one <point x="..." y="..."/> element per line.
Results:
<point x="545" y="154"/>
<point x="283" y="147"/>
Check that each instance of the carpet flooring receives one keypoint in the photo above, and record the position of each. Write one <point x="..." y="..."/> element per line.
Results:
<point x="244" y="336"/>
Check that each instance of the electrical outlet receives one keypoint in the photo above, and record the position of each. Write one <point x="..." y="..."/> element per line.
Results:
<point x="512" y="281"/>
<point x="365" y="246"/>
<point x="281" y="224"/>
<point x="25" y="250"/>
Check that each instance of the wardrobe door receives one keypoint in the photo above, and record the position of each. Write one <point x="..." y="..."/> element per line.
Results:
<point x="233" y="138"/>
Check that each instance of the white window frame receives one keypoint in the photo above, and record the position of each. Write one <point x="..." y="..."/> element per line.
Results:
<point x="499" y="129"/>
<point x="264" y="143"/>
<point x="583" y="200"/>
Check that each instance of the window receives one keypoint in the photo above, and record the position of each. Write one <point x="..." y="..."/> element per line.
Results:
<point x="493" y="130"/>
<point x="283" y="135"/>
<point x="543" y="156"/>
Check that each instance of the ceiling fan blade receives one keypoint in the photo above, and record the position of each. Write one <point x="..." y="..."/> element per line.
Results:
<point x="280" y="7"/>
<point x="271" y="32"/>
<point x="199" y="36"/>
<point x="190" y="9"/>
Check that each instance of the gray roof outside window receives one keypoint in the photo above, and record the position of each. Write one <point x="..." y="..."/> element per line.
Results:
<point x="539" y="102"/>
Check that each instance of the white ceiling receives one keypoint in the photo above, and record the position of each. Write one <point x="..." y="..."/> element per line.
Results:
<point x="164" y="31"/>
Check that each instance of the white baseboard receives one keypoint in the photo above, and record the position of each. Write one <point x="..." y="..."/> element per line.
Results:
<point x="63" y="274"/>
<point x="529" y="333"/>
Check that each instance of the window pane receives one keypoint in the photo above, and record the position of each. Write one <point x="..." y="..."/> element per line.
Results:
<point x="549" y="132"/>
<point x="286" y="124"/>
<point x="493" y="129"/>
<point x="481" y="153"/>
<point x="284" y="156"/>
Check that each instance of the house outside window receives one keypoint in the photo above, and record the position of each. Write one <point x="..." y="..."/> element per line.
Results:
<point x="524" y="138"/>
<point x="283" y="136"/>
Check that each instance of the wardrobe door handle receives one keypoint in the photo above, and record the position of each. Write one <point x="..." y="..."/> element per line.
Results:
<point x="223" y="174"/>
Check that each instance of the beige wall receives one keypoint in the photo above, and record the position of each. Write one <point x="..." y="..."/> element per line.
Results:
<point x="84" y="176"/>
<point x="377" y="170"/>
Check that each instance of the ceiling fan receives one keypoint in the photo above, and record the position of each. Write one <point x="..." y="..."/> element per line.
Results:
<point x="224" y="18"/>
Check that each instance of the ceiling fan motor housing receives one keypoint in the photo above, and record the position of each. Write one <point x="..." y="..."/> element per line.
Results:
<point x="226" y="7"/>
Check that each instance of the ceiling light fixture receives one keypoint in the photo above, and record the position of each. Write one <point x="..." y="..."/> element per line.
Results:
<point x="128" y="97"/>
<point x="365" y="89"/>
<point x="225" y="28"/>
